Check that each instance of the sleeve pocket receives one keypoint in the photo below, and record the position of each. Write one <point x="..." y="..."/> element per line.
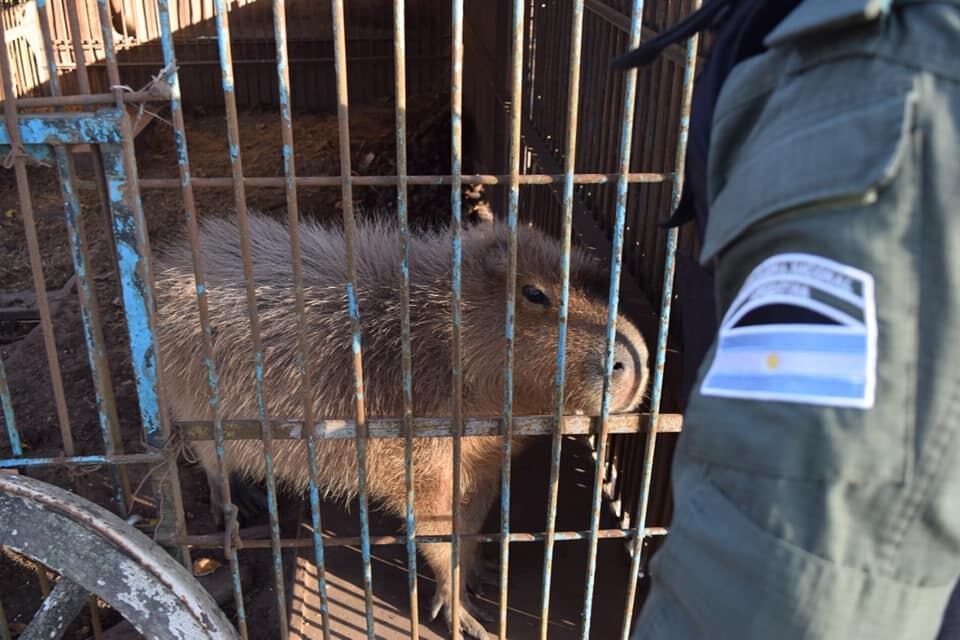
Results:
<point x="844" y="158"/>
<point x="841" y="187"/>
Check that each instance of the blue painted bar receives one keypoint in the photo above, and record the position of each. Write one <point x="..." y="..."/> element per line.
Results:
<point x="41" y="153"/>
<point x="400" y="77"/>
<point x="612" y="310"/>
<point x="183" y="161"/>
<point x="349" y="229"/>
<point x="126" y="458"/>
<point x="513" y="205"/>
<point x="92" y="330"/>
<point x="208" y="541"/>
<point x="236" y="167"/>
<point x="456" y="286"/>
<point x="665" y="308"/>
<point x="318" y="551"/>
<point x="129" y="229"/>
<point x="570" y="154"/>
<point x="289" y="172"/>
<point x="68" y="128"/>
<point x="9" y="419"/>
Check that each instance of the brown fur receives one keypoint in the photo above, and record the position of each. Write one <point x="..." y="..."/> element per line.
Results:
<point x="330" y="357"/>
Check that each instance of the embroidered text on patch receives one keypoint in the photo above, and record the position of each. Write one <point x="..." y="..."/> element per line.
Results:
<point x="802" y="329"/>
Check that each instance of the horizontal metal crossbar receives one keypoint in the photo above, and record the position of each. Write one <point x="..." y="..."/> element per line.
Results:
<point x="101" y="126"/>
<point x="430" y="427"/>
<point x="215" y="540"/>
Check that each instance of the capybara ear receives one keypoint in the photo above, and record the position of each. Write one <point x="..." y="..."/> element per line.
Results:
<point x="495" y="258"/>
<point x="594" y="277"/>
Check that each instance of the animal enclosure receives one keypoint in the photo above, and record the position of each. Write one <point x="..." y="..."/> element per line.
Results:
<point x="134" y="126"/>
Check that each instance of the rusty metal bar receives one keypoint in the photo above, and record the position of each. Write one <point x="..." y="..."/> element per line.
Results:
<point x="136" y="280"/>
<point x="4" y="624"/>
<point x="617" y="263"/>
<point x="33" y="245"/>
<point x="95" y="620"/>
<point x="83" y="83"/>
<point x="190" y="210"/>
<point x="570" y="156"/>
<point x="125" y="458"/>
<point x="626" y="140"/>
<point x="155" y="94"/>
<point x="289" y="170"/>
<point x="349" y="232"/>
<point x="665" y="308"/>
<point x="392" y="181"/>
<point x="236" y="165"/>
<point x="214" y="541"/>
<point x="86" y="289"/>
<point x="400" y="78"/>
<point x="456" y="141"/>
<point x="513" y="205"/>
<point x="93" y="327"/>
<point x="284" y="429"/>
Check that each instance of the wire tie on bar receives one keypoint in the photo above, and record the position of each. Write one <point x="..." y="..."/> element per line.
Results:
<point x="231" y="531"/>
<point x="158" y="84"/>
<point x="16" y="151"/>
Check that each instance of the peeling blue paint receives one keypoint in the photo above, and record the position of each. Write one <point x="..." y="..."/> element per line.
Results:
<point x="13" y="463"/>
<point x="223" y="37"/>
<point x="102" y="126"/>
<point x="666" y="299"/>
<point x="212" y="382"/>
<point x="354" y="311"/>
<point x="318" y="554"/>
<point x="136" y="306"/>
<point x="8" y="416"/>
<point x="169" y="59"/>
<point x="92" y="334"/>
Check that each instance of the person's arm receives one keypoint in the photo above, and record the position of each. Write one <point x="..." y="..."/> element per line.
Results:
<point x="817" y="477"/>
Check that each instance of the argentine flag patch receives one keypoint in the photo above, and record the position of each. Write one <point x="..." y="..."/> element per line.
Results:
<point x="802" y="329"/>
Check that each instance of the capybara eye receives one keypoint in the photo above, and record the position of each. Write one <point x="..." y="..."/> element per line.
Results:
<point x="535" y="296"/>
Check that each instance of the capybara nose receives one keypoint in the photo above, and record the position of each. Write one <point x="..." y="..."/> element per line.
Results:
<point x="623" y="365"/>
<point x="624" y="379"/>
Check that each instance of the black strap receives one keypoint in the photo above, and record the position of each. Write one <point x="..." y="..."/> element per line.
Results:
<point x="694" y="23"/>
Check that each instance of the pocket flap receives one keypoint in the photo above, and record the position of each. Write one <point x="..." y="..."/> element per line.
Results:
<point x="846" y="156"/>
<point x="813" y="17"/>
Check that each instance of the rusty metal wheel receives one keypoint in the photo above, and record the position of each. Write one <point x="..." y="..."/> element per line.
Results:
<point x="95" y="552"/>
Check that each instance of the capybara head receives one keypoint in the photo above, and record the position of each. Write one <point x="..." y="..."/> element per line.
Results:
<point x="538" y="294"/>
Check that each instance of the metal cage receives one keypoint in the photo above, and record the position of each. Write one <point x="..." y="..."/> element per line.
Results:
<point x="555" y="139"/>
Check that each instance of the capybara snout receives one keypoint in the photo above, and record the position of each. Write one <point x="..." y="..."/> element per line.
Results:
<point x="329" y="357"/>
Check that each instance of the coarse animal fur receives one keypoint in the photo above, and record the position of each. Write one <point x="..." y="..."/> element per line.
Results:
<point x="330" y="359"/>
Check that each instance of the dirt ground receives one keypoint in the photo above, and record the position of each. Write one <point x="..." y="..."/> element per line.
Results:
<point x="26" y="363"/>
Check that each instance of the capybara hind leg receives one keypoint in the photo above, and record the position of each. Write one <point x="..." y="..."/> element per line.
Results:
<point x="434" y="517"/>
<point x="485" y="486"/>
<point x="208" y="460"/>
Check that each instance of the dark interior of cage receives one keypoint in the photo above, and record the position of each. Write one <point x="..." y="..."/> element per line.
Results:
<point x="487" y="110"/>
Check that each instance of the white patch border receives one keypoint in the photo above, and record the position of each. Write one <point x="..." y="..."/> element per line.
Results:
<point x="867" y="302"/>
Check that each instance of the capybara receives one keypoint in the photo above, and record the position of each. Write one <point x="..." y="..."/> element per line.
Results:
<point x="330" y="358"/>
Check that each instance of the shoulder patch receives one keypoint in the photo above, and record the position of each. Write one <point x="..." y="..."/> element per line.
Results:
<point x="802" y="329"/>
